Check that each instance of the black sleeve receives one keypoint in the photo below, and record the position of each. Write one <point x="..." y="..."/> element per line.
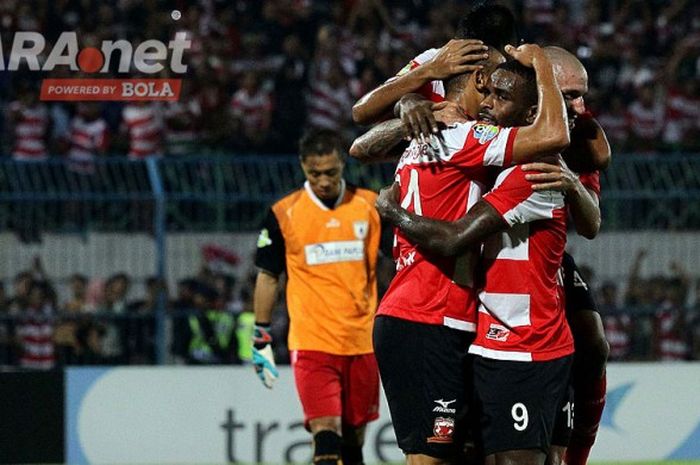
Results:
<point x="386" y="239"/>
<point x="270" y="251"/>
<point x="577" y="293"/>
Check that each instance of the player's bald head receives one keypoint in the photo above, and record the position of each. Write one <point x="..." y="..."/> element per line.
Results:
<point x="572" y="78"/>
<point x="566" y="65"/>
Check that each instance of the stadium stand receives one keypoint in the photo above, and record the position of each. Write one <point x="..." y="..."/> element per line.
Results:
<point x="216" y="176"/>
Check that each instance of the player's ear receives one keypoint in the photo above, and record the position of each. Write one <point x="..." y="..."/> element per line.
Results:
<point x="480" y="80"/>
<point x="531" y="114"/>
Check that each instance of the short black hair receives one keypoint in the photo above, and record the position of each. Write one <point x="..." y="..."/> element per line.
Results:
<point x="493" y="24"/>
<point x="489" y="64"/>
<point x="529" y="89"/>
<point x="321" y="142"/>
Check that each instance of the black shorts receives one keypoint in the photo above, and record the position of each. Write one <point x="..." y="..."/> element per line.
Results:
<point x="564" y="422"/>
<point x="425" y="371"/>
<point x="518" y="402"/>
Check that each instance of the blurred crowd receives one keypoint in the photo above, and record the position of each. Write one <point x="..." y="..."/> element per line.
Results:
<point x="260" y="72"/>
<point x="46" y="324"/>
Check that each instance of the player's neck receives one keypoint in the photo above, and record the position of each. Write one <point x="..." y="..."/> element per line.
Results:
<point x="468" y="106"/>
<point x="330" y="203"/>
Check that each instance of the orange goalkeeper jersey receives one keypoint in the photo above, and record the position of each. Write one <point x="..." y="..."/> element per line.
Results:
<point x="330" y="257"/>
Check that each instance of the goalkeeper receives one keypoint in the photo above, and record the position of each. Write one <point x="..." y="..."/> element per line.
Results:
<point x="325" y="235"/>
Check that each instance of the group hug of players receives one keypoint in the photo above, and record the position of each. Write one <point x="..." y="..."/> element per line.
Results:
<point x="475" y="337"/>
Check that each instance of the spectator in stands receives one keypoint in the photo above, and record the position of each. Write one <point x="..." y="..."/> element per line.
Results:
<point x="671" y="337"/>
<point x="329" y="102"/>
<point x="694" y="324"/>
<point x="6" y="329"/>
<point x="141" y="330"/>
<point x="115" y="309"/>
<point x="212" y="339"/>
<point x="28" y="123"/>
<point x="35" y="329"/>
<point x="88" y="138"/>
<point x="251" y="109"/>
<point x="614" y="119"/>
<point x="142" y="123"/>
<point x="646" y="119"/>
<point x="183" y="123"/>
<point x="77" y="302"/>
<point x="21" y="286"/>
<point x="183" y="303"/>
<point x="639" y="298"/>
<point x="290" y="83"/>
<point x="72" y="315"/>
<point x="617" y="323"/>
<point x="245" y="329"/>
<point x="28" y="127"/>
<point x="89" y="344"/>
<point x="627" y="43"/>
<point x="682" y="131"/>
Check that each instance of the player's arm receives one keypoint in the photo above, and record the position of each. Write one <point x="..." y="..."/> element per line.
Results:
<point x="455" y="57"/>
<point x="589" y="149"/>
<point x="385" y="141"/>
<point x="549" y="133"/>
<point x="264" y="297"/>
<point x="441" y="237"/>
<point x="270" y="259"/>
<point x="583" y="203"/>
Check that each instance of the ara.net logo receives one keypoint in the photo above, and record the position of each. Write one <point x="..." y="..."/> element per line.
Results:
<point x="93" y="63"/>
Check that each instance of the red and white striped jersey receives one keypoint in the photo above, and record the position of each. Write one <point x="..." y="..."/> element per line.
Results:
<point x="328" y="107"/>
<point x="434" y="90"/>
<point x="521" y="315"/>
<point x="36" y="340"/>
<point x="616" y="127"/>
<point x="30" y="131"/>
<point x="252" y="109"/>
<point x="144" y="125"/>
<point x="670" y="338"/>
<point x="646" y="122"/>
<point x="442" y="180"/>
<point x="87" y="139"/>
<point x="682" y="116"/>
<point x="618" y="334"/>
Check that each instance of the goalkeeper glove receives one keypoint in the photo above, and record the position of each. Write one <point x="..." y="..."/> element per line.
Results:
<point x="263" y="358"/>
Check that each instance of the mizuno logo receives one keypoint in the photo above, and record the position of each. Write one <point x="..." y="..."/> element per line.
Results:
<point x="444" y="406"/>
<point x="445" y="403"/>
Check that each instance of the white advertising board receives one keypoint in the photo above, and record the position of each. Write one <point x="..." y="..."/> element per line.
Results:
<point x="136" y="415"/>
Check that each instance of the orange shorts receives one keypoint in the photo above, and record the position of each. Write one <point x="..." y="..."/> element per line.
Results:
<point x="345" y="386"/>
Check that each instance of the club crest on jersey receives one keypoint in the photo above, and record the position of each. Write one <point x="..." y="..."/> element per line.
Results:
<point x="485" y="132"/>
<point x="497" y="333"/>
<point x="360" y="228"/>
<point x="443" y="427"/>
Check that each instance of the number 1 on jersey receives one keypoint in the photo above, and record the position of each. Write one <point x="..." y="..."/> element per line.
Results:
<point x="413" y="194"/>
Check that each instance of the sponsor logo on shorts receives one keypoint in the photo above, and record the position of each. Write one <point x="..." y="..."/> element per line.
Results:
<point x="444" y="406"/>
<point x="443" y="428"/>
<point x="497" y="333"/>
